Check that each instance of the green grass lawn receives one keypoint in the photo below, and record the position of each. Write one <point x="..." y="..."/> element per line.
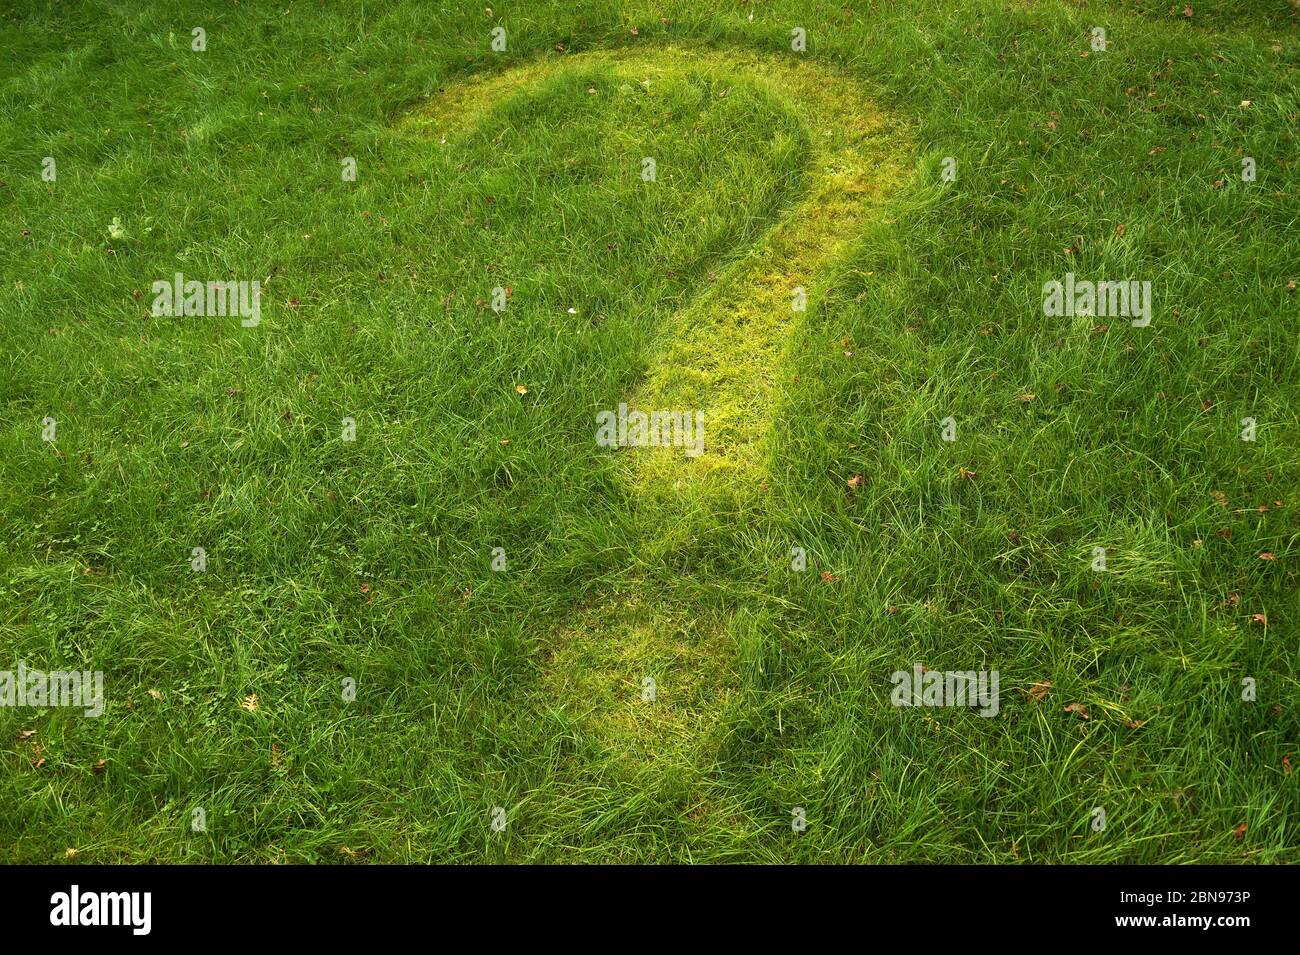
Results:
<point x="432" y="643"/>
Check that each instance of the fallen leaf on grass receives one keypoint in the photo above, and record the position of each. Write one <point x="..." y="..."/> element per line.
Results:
<point x="99" y="767"/>
<point x="249" y="702"/>
<point x="155" y="694"/>
<point x="855" y="482"/>
<point x="1080" y="710"/>
<point x="964" y="472"/>
<point x="1267" y="556"/>
<point x="1286" y="765"/>
<point x="1240" y="831"/>
<point x="1259" y="618"/>
<point x="520" y="389"/>
<point x="1038" y="692"/>
<point x="828" y="577"/>
<point x="25" y="735"/>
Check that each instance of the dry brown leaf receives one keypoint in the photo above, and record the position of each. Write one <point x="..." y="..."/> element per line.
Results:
<point x="1027" y="397"/>
<point x="1267" y="555"/>
<point x="1240" y="831"/>
<point x="99" y="766"/>
<point x="828" y="577"/>
<point x="855" y="482"/>
<point x="1080" y="710"/>
<point x="963" y="472"/>
<point x="1038" y="692"/>
<point x="249" y="702"/>
<point x="1259" y="618"/>
<point x="25" y="735"/>
<point x="155" y="694"/>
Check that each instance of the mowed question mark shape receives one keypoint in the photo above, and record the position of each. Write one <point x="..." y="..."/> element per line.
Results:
<point x="723" y="353"/>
